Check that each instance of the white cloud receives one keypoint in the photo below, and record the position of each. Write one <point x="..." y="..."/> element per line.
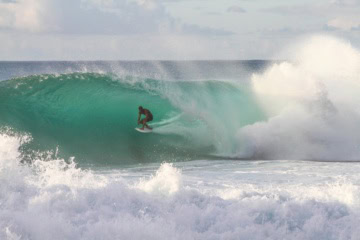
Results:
<point x="337" y="14"/>
<point x="292" y="10"/>
<point x="82" y="16"/>
<point x="162" y="29"/>
<point x="115" y="47"/>
<point x="27" y="15"/>
<point x="148" y="4"/>
<point x="236" y="9"/>
<point x="346" y="2"/>
<point x="345" y="15"/>
<point x="345" y="23"/>
<point x="94" y="17"/>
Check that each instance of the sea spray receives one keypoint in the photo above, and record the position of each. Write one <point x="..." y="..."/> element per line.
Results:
<point x="166" y="181"/>
<point x="312" y="103"/>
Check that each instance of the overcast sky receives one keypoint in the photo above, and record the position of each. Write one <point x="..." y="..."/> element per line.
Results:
<point x="167" y="29"/>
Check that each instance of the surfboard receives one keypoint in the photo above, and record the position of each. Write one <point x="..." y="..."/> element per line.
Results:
<point x="145" y="130"/>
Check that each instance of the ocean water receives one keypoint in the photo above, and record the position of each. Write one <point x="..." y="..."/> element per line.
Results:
<point x="240" y="149"/>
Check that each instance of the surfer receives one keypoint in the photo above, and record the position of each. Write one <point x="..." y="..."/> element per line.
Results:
<point x="148" y="117"/>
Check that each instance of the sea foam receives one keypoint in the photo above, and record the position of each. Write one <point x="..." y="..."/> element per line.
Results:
<point x="53" y="198"/>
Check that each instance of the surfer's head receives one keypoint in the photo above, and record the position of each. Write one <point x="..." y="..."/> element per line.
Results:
<point x="141" y="109"/>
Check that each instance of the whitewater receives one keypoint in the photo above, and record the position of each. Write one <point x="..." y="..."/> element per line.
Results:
<point x="240" y="149"/>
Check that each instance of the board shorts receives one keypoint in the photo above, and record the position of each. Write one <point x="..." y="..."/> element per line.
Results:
<point x="148" y="119"/>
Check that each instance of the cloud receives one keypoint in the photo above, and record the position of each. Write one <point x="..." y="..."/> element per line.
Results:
<point x="94" y="17"/>
<point x="337" y="14"/>
<point x="346" y="2"/>
<point x="330" y="9"/>
<point x="236" y="9"/>
<point x="214" y="13"/>
<point x="345" y="23"/>
<point x="195" y="29"/>
<point x="346" y="16"/>
<point x="295" y="10"/>
<point x="23" y="15"/>
<point x="84" y="16"/>
<point x="29" y="47"/>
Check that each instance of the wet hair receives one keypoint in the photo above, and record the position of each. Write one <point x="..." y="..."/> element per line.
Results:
<point x="140" y="108"/>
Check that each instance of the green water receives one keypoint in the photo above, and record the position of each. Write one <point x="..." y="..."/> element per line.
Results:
<point x="93" y="116"/>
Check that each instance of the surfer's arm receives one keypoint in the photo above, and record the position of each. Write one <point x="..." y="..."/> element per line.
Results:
<point x="139" y="118"/>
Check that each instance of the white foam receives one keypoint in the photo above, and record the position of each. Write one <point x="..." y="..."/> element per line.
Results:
<point x="9" y="148"/>
<point x="53" y="199"/>
<point x="166" y="181"/>
<point x="313" y="104"/>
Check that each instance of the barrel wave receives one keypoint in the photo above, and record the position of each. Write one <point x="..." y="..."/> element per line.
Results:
<point x="92" y="116"/>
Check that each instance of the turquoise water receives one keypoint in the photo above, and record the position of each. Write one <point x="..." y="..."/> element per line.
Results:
<point x="92" y="116"/>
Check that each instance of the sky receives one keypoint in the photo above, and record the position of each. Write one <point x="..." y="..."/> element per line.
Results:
<point x="168" y="29"/>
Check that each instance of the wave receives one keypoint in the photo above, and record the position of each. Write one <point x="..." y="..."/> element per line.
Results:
<point x="306" y="108"/>
<point x="92" y="116"/>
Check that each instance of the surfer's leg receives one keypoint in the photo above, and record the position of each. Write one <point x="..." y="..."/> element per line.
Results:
<point x="143" y="122"/>
<point x="147" y="126"/>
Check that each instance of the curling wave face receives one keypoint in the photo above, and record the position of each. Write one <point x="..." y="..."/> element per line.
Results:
<point x="92" y="116"/>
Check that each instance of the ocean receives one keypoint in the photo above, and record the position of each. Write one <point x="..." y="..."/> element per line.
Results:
<point x="253" y="149"/>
